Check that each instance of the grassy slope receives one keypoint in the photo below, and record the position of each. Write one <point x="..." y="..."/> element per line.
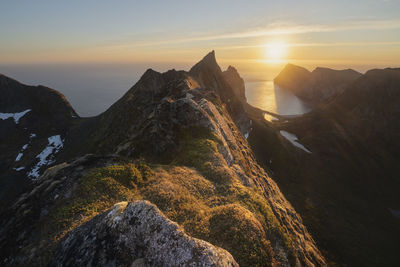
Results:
<point x="202" y="197"/>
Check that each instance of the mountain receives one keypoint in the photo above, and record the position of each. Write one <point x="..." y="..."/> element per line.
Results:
<point x="165" y="176"/>
<point x="316" y="86"/>
<point x="33" y="122"/>
<point x="343" y="171"/>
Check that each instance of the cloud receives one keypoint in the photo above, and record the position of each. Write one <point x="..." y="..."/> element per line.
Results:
<point x="274" y="29"/>
<point x="315" y="44"/>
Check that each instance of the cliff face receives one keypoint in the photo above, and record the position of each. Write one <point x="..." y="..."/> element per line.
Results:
<point x="176" y="140"/>
<point x="346" y="186"/>
<point x="316" y="86"/>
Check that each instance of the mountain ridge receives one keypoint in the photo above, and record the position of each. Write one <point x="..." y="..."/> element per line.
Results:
<point x="175" y="139"/>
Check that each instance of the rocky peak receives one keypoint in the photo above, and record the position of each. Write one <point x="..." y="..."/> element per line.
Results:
<point x="232" y="76"/>
<point x="295" y="79"/>
<point x="317" y="86"/>
<point x="208" y="62"/>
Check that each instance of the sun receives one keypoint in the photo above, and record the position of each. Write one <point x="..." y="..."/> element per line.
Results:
<point x="276" y="51"/>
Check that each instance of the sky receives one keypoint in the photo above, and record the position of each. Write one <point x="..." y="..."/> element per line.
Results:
<point x="97" y="49"/>
<point x="352" y="32"/>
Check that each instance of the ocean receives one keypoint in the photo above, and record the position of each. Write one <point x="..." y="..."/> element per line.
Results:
<point x="92" y="88"/>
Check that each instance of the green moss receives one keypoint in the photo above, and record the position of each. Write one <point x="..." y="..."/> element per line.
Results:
<point x="240" y="232"/>
<point x="99" y="189"/>
<point x="209" y="202"/>
<point x="198" y="146"/>
<point x="200" y="150"/>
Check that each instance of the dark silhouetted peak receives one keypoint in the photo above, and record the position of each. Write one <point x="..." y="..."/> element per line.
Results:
<point x="149" y="73"/>
<point x="206" y="67"/>
<point x="16" y="96"/>
<point x="315" y="86"/>
<point x="290" y="74"/>
<point x="209" y="60"/>
<point x="295" y="79"/>
<point x="232" y="69"/>
<point x="232" y="76"/>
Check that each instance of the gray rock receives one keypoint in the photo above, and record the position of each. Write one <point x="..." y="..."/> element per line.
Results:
<point x="136" y="234"/>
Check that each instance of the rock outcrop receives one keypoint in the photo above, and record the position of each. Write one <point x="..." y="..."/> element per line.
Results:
<point x="132" y="231"/>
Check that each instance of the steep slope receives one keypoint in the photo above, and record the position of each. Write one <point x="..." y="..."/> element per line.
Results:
<point x="346" y="189"/>
<point x="316" y="86"/>
<point x="33" y="122"/>
<point x="173" y="139"/>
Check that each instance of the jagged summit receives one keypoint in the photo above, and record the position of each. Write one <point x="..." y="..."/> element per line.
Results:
<point x="209" y="61"/>
<point x="206" y="69"/>
<point x="232" y="76"/>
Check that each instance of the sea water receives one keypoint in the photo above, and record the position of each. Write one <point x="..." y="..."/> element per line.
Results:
<point x="92" y="88"/>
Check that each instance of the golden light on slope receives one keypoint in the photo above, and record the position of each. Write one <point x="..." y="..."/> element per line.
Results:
<point x="276" y="51"/>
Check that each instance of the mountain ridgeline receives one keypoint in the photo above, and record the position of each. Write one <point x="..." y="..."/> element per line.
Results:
<point x="171" y="149"/>
<point x="182" y="171"/>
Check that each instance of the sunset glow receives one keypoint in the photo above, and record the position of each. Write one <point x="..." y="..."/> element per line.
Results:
<point x="276" y="51"/>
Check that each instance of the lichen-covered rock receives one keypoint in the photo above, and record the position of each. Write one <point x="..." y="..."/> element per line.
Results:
<point x="132" y="231"/>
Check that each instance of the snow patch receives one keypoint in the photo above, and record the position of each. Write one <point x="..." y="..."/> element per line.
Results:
<point x="246" y="135"/>
<point x="32" y="135"/>
<point x="19" y="156"/>
<point x="293" y="139"/>
<point x="15" y="116"/>
<point x="19" y="169"/>
<point x="46" y="157"/>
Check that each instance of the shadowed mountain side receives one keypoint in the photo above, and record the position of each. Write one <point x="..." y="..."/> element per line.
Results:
<point x="29" y="115"/>
<point x="347" y="188"/>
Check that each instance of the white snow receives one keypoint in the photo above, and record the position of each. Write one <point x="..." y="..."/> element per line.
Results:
<point x="246" y="135"/>
<point x="19" y="156"/>
<point x="19" y="169"/>
<point x="15" y="116"/>
<point x="32" y="135"/>
<point x="293" y="139"/>
<point x="46" y="157"/>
